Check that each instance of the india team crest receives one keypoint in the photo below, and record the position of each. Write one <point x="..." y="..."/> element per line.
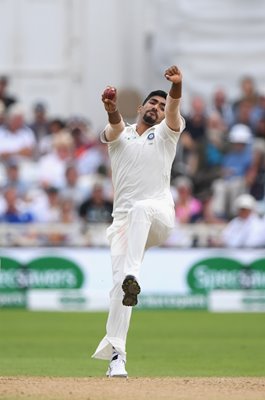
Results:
<point x="151" y="136"/>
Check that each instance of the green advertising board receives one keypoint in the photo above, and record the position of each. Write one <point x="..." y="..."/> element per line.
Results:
<point x="226" y="273"/>
<point x="40" y="273"/>
<point x="81" y="278"/>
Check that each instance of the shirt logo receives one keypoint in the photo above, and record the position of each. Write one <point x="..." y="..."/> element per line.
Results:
<point x="151" y="136"/>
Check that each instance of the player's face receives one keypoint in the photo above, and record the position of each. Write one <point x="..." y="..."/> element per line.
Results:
<point x="153" y="111"/>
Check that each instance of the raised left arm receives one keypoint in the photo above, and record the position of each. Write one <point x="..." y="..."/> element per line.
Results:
<point x="172" y="110"/>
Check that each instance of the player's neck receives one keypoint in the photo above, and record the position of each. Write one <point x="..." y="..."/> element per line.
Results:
<point x="141" y="128"/>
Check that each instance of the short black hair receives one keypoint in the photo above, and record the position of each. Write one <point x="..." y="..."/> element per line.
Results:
<point x="159" y="93"/>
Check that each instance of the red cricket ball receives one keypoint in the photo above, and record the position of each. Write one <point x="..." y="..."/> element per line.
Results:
<point x="109" y="93"/>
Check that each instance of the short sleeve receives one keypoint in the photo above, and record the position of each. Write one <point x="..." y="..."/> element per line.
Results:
<point x="168" y="133"/>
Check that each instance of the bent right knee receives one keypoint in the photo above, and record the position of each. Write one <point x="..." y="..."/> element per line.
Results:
<point x="140" y="211"/>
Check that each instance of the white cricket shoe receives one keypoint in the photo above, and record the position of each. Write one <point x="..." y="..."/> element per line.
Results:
<point x="117" y="368"/>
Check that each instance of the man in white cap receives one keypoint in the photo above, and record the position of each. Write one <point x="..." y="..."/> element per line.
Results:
<point x="245" y="229"/>
<point x="16" y="138"/>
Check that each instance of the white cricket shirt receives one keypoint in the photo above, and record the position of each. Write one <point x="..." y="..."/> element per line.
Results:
<point x="141" y="164"/>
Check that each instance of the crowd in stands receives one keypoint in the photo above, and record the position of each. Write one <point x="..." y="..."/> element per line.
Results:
<point x="55" y="170"/>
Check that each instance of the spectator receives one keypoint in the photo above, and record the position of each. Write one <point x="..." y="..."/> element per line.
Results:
<point x="187" y="156"/>
<point x="14" y="208"/>
<point x="211" y="153"/>
<point x="4" y="96"/>
<point x="245" y="229"/>
<point x="248" y="93"/>
<point x="188" y="208"/>
<point x="243" y="114"/>
<point x="2" y="204"/>
<point x="73" y="189"/>
<point x="48" y="208"/>
<point x="256" y="175"/>
<point x="196" y="119"/>
<point x="68" y="214"/>
<point x="81" y="133"/>
<point x="2" y="113"/>
<point x="40" y="123"/>
<point x="96" y="208"/>
<point x="13" y="177"/>
<point x="93" y="158"/>
<point x="16" y="138"/>
<point x="208" y="214"/>
<point x="52" y="166"/>
<point x="260" y="128"/>
<point x="215" y="140"/>
<point x="235" y="165"/>
<point x="100" y="176"/>
<point x="46" y="142"/>
<point x="258" y="112"/>
<point x="221" y="105"/>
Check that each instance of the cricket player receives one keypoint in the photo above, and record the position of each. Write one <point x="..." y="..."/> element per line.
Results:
<point x="141" y="158"/>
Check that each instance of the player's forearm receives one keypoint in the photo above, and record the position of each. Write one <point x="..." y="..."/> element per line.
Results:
<point x="115" y="126"/>
<point x="114" y="117"/>
<point x="176" y="90"/>
<point x="172" y="112"/>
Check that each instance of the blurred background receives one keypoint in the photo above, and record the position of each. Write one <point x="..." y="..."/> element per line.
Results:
<point x="57" y="56"/>
<point x="64" y="52"/>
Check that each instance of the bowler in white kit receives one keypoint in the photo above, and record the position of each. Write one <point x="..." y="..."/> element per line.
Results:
<point x="141" y="158"/>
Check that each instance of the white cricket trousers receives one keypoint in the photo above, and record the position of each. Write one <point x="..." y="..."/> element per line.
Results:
<point x="148" y="223"/>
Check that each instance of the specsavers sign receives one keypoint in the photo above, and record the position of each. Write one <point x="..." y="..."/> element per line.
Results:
<point x="226" y="273"/>
<point x="40" y="273"/>
<point x="54" y="279"/>
<point x="18" y="280"/>
<point x="80" y="279"/>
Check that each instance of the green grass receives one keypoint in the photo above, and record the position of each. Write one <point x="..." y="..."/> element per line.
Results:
<point x="160" y="343"/>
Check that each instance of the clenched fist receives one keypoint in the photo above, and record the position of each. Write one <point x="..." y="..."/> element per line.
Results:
<point x="173" y="74"/>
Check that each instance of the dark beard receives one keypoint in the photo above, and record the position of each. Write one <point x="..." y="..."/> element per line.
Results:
<point x="149" y="119"/>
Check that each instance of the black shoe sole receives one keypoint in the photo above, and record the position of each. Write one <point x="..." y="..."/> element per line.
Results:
<point x="131" y="289"/>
